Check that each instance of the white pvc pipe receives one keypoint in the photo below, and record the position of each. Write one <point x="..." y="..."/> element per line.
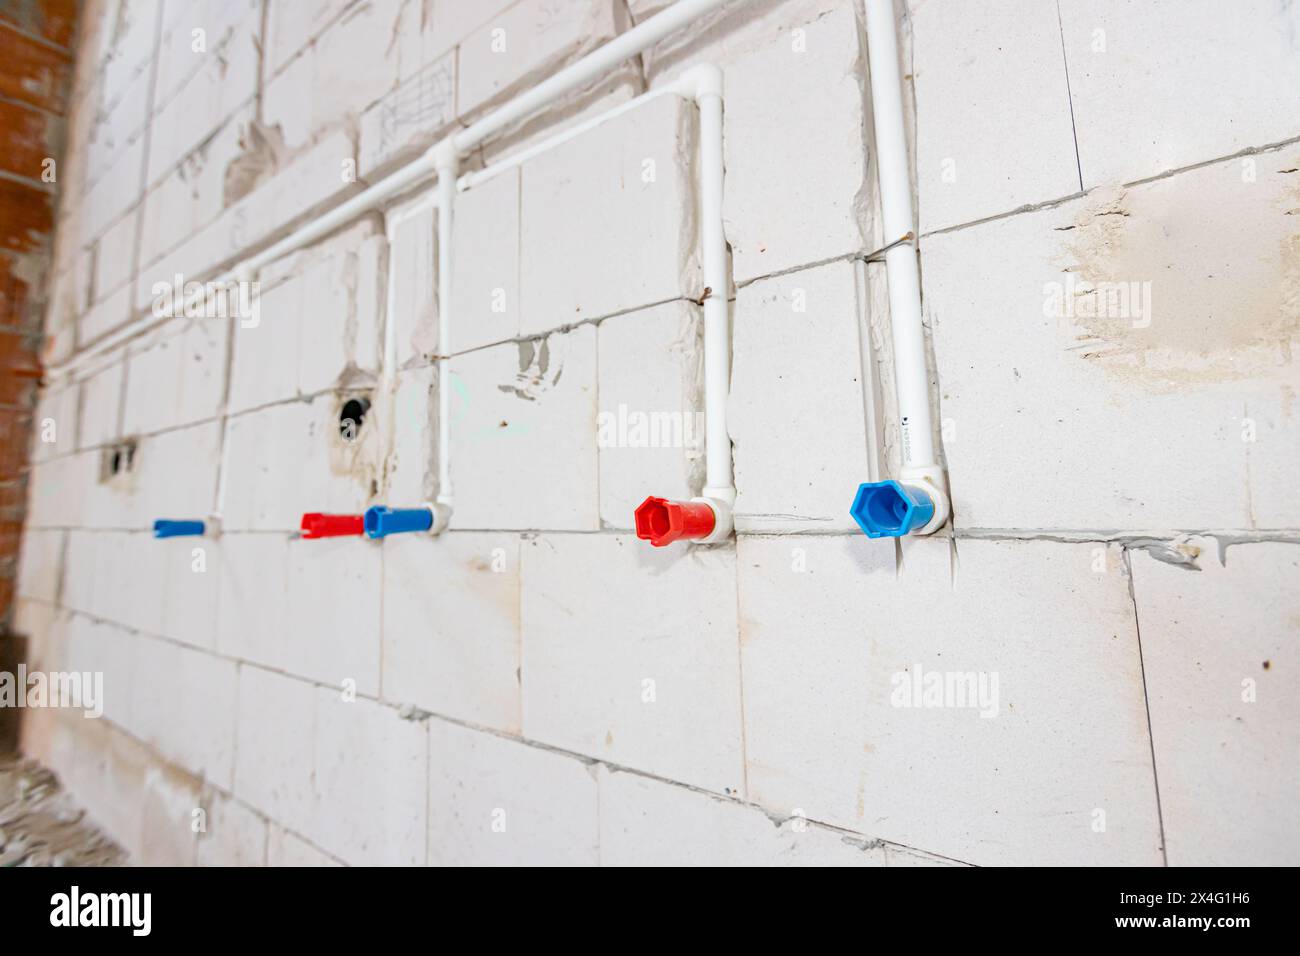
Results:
<point x="517" y="159"/>
<point x="424" y="167"/>
<point x="590" y="67"/>
<point x="446" y="206"/>
<point x="719" y="483"/>
<point x="910" y="373"/>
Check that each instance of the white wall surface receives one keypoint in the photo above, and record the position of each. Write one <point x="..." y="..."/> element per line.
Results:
<point x="537" y="685"/>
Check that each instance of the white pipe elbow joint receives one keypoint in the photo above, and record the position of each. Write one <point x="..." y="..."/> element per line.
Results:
<point x="722" y="524"/>
<point x="932" y="481"/>
<point x="700" y="81"/>
<point x="445" y="156"/>
<point x="441" y="512"/>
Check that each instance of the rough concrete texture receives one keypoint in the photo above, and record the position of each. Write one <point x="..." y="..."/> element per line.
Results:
<point x="1089" y="665"/>
<point x="40" y="825"/>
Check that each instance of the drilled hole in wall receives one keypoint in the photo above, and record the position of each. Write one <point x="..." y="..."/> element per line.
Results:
<point x="351" y="417"/>
<point x="116" y="460"/>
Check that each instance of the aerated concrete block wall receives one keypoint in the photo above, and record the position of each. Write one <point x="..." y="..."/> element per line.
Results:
<point x="1095" y="663"/>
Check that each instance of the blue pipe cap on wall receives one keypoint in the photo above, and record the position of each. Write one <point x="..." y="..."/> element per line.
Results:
<point x="888" y="509"/>
<point x="165" y="528"/>
<point x="381" y="521"/>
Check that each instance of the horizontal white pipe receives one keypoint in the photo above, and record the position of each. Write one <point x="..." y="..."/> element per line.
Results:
<point x="515" y="160"/>
<point x="424" y="167"/>
<point x="590" y="67"/>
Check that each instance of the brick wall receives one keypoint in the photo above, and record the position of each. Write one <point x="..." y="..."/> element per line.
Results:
<point x="36" y="42"/>
<point x="536" y="685"/>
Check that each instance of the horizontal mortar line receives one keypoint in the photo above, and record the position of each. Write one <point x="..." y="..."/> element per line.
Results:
<point x="215" y="787"/>
<point x="1228" y="536"/>
<point x="853" y="256"/>
<point x="33" y="108"/>
<point x="304" y="399"/>
<point x="47" y="189"/>
<point x="37" y="39"/>
<point x="586" y="759"/>
<point x="1069" y="536"/>
<point x="266" y="817"/>
<point x="1053" y="203"/>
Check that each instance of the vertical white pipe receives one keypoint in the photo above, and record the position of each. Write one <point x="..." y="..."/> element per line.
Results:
<point x="910" y="373"/>
<point x="719" y="482"/>
<point x="447" y="168"/>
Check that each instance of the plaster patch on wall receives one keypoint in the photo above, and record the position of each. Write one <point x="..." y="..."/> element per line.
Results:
<point x="1161" y="297"/>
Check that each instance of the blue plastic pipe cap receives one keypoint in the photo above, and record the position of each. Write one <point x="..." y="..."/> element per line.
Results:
<point x="381" y="521"/>
<point x="888" y="509"/>
<point x="164" y="528"/>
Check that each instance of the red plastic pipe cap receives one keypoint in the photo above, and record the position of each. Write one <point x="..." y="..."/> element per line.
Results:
<point x="332" y="526"/>
<point x="661" y="522"/>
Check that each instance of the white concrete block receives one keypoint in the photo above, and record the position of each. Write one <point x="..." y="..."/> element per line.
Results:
<point x="413" y="463"/>
<point x="322" y="89"/>
<point x="291" y="26"/>
<point x="55" y="423"/>
<point x="332" y="612"/>
<point x="1136" y="418"/>
<point x="1226" y="729"/>
<point x="526" y="42"/>
<point x="485" y="274"/>
<point x="57" y="488"/>
<point x="629" y="655"/>
<point x="286" y="460"/>
<point x="430" y="31"/>
<point x="288" y="849"/>
<point x="646" y="822"/>
<point x="191" y="590"/>
<point x="79" y="574"/>
<point x="413" y="116"/>
<point x="184" y="705"/>
<point x="451" y="626"/>
<point x="1158" y="86"/>
<point x="100" y="648"/>
<point x="318" y="321"/>
<point x="199" y="89"/>
<point x="101" y="400"/>
<point x="526" y="412"/>
<point x="412" y="256"/>
<point x="177" y="377"/>
<point x="253" y="611"/>
<point x="608" y="219"/>
<point x="274" y="746"/>
<point x="358" y="743"/>
<point x="833" y="639"/>
<point x="308" y="183"/>
<point x="173" y="475"/>
<point x="167" y="804"/>
<point x="993" y="122"/>
<point x="116" y="191"/>
<point x="797" y="410"/>
<point x="108" y="779"/>
<point x="129" y="577"/>
<point x="40" y="565"/>
<point x="650" y="425"/>
<point x="114" y="255"/>
<point x="234" y="836"/>
<point x="495" y="802"/>
<point x="189" y="183"/>
<point x="784" y="203"/>
<point x="104" y="316"/>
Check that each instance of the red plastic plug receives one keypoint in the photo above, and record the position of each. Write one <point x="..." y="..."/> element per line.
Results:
<point x="661" y="522"/>
<point x="331" y="526"/>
